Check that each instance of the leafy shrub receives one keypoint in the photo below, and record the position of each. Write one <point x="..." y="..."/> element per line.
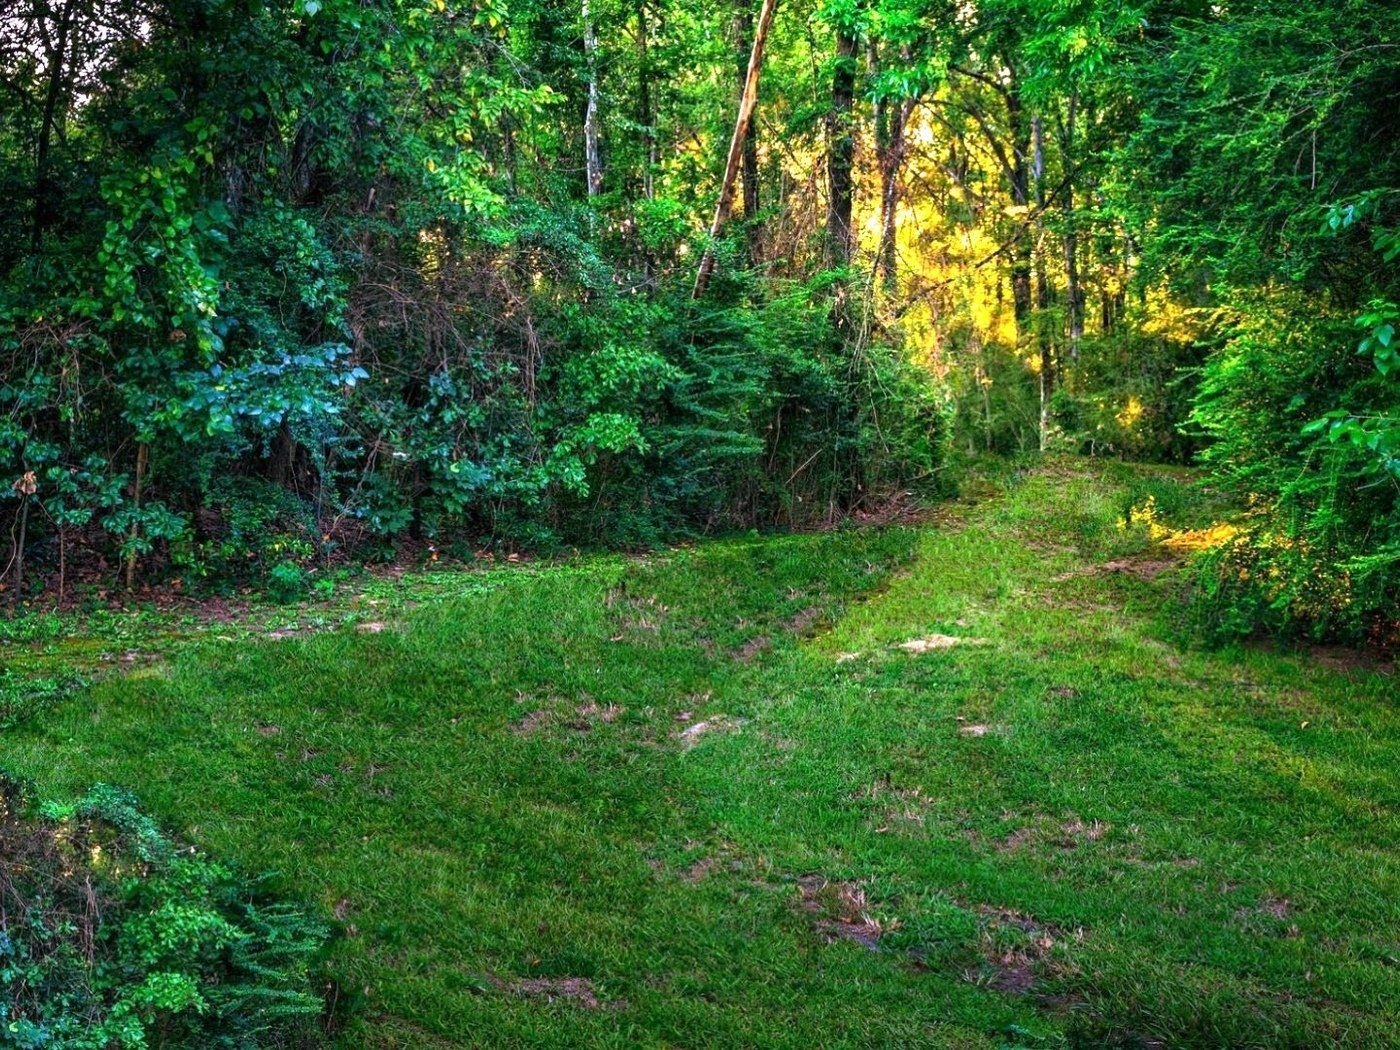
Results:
<point x="287" y="582"/>
<point x="1321" y="553"/>
<point x="114" y="936"/>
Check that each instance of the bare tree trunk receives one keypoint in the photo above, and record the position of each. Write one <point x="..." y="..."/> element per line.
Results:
<point x="24" y="488"/>
<point x="142" y="456"/>
<point x="593" y="162"/>
<point x="747" y="101"/>
<point x="840" y="153"/>
<point x="1074" y="292"/>
<point x="1020" y="196"/>
<point x="645" y="117"/>
<point x="890" y="124"/>
<point x="749" y="162"/>
<point x="1044" y="342"/>
<point x="56" y="55"/>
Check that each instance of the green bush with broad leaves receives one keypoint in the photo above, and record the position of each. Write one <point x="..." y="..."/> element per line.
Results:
<point x="115" y="935"/>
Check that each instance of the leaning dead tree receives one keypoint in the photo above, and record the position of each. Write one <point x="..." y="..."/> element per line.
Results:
<point x="747" y="101"/>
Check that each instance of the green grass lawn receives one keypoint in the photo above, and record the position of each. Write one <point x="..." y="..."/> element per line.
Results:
<point x="705" y="799"/>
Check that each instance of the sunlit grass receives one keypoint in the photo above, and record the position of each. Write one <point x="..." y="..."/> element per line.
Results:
<point x="1074" y="831"/>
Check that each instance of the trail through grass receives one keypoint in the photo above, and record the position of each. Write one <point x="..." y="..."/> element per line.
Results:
<point x="707" y="799"/>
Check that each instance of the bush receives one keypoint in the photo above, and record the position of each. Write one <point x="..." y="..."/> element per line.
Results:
<point x="113" y="936"/>
<point x="1320" y="553"/>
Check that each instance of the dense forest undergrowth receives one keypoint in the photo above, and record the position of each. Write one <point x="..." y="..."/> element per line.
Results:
<point x="295" y="284"/>
<point x="952" y="784"/>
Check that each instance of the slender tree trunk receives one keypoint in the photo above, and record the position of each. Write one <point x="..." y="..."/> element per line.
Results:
<point x="645" y="117"/>
<point x="43" y="188"/>
<point x="593" y="161"/>
<point x="747" y="101"/>
<point x="1020" y="196"/>
<point x="840" y="153"/>
<point x="1073" y="291"/>
<point x="142" y="456"/>
<point x="749" y="160"/>
<point x="891" y="122"/>
<point x="1043" y="338"/>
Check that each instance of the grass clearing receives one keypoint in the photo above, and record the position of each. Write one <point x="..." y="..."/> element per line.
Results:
<point x="712" y="799"/>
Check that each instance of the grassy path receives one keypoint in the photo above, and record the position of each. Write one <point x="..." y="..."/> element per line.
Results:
<point x="709" y="800"/>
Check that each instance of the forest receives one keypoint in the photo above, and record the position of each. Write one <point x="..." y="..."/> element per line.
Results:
<point x="370" y="364"/>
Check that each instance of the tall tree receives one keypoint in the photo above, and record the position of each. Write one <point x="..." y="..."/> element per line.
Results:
<point x="748" y="99"/>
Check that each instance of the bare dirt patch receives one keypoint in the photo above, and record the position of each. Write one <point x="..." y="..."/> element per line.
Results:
<point x="1076" y="832"/>
<point x="1017" y="840"/>
<point x="693" y="733"/>
<point x="758" y="644"/>
<point x="804" y="621"/>
<point x="531" y="722"/>
<point x="839" y="911"/>
<point x="571" y="991"/>
<point x="1015" y="948"/>
<point x="896" y="807"/>
<point x="934" y="642"/>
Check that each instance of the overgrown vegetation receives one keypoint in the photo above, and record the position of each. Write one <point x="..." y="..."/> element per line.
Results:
<point x="113" y="935"/>
<point x="314" y="279"/>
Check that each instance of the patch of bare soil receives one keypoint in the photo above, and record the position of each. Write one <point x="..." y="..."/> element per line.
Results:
<point x="589" y="713"/>
<point x="754" y="646"/>
<point x="1269" y="915"/>
<point x="636" y="614"/>
<point x="897" y="807"/>
<point x="1144" y="567"/>
<point x="1017" y="840"/>
<point x="803" y="621"/>
<point x="1015" y="949"/>
<point x="571" y="991"/>
<point x="554" y="711"/>
<point x="531" y="721"/>
<point x="701" y="869"/>
<point x="1075" y="832"/>
<point x="839" y="911"/>
<point x="933" y="642"/>
<point x="692" y="734"/>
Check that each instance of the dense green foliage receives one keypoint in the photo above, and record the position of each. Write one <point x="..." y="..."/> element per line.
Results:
<point x="292" y="279"/>
<point x="293" y="276"/>
<point x="115" y="937"/>
<point x="1261" y="130"/>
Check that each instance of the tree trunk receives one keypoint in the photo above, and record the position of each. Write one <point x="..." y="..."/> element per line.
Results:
<point x="142" y="456"/>
<point x="593" y="162"/>
<point x="1043" y="339"/>
<point x="890" y="124"/>
<point x="645" y="117"/>
<point x="749" y="160"/>
<point x="43" y="189"/>
<point x="747" y="101"/>
<point x="1020" y="196"/>
<point x="840" y="153"/>
<point x="1074" y="293"/>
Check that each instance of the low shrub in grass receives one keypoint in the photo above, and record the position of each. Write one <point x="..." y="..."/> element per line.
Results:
<point x="113" y="935"/>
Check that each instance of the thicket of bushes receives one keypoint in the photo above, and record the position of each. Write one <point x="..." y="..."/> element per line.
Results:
<point x="112" y="935"/>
